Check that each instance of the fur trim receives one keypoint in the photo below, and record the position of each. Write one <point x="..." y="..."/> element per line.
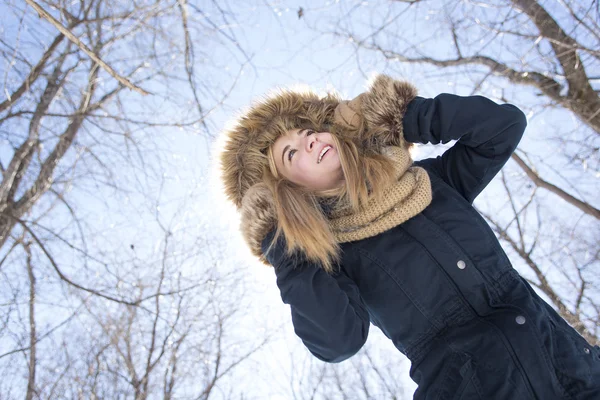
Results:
<point x="257" y="217"/>
<point x="243" y="158"/>
<point x="383" y="108"/>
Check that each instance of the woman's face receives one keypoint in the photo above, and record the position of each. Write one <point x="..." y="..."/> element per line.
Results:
<point x="309" y="159"/>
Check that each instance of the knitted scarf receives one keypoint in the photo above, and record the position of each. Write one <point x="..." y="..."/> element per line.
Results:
<point x="407" y="197"/>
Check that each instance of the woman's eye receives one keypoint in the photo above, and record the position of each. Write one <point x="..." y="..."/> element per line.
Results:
<point x="291" y="152"/>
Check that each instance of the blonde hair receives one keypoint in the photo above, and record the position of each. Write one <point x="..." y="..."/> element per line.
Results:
<point x="300" y="216"/>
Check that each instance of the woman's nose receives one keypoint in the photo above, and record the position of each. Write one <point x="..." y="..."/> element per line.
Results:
<point x="311" y="142"/>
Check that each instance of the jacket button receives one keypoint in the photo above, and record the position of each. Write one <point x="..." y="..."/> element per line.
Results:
<point x="586" y="350"/>
<point x="461" y="264"/>
<point x="520" y="319"/>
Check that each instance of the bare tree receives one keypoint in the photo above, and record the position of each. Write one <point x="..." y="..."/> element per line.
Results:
<point x="83" y="151"/>
<point x="178" y="341"/>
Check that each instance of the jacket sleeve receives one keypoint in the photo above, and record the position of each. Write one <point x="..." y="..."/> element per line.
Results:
<point x="487" y="135"/>
<point x="327" y="311"/>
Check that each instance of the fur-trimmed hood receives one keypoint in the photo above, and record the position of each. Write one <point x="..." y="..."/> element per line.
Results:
<point x="244" y="155"/>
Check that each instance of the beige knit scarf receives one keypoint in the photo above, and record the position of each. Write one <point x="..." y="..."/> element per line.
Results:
<point x="407" y="197"/>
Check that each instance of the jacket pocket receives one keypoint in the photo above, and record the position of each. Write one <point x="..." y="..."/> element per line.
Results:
<point x="469" y="379"/>
<point x="459" y="379"/>
<point x="575" y="361"/>
<point x="469" y="387"/>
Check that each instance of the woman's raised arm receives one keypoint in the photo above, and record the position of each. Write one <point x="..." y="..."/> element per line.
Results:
<point x="327" y="311"/>
<point x="487" y="134"/>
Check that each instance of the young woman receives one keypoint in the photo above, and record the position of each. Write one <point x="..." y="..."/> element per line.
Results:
<point x="359" y="234"/>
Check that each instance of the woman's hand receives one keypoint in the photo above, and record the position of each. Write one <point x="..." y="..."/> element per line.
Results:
<point x="348" y="114"/>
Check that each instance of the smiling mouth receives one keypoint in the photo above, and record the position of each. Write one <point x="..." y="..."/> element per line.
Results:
<point x="323" y="152"/>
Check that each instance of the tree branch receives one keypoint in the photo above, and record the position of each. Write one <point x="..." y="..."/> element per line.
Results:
<point x="587" y="110"/>
<point x="44" y="179"/>
<point x="43" y="13"/>
<point x="583" y="206"/>
<point x="581" y="93"/>
<point x="63" y="276"/>
<point x="32" y="334"/>
<point x="34" y="74"/>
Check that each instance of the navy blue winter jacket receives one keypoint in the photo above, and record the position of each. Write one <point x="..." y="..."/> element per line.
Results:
<point x="440" y="285"/>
